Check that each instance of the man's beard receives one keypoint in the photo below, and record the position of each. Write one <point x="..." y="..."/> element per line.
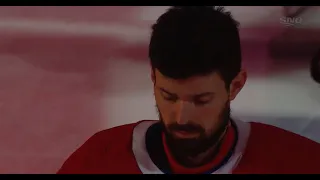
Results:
<point x="191" y="147"/>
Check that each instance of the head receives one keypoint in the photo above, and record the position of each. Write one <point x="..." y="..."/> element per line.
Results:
<point x="195" y="57"/>
<point x="315" y="67"/>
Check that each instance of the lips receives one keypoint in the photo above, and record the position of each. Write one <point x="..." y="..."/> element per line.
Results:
<point x="184" y="134"/>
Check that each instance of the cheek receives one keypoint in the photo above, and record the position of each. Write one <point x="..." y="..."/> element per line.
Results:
<point x="166" y="108"/>
<point x="210" y="115"/>
<point x="161" y="104"/>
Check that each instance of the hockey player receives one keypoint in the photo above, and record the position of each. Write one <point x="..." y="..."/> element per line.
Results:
<point x="195" y="59"/>
<point x="315" y="67"/>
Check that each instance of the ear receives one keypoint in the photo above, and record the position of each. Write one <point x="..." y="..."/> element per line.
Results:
<point x="237" y="84"/>
<point x="153" y="76"/>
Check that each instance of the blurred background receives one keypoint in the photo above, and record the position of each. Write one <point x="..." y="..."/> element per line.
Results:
<point x="68" y="72"/>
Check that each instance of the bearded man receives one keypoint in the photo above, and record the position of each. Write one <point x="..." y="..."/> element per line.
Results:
<point x="195" y="56"/>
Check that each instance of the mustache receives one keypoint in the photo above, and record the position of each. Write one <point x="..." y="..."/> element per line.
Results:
<point x="186" y="127"/>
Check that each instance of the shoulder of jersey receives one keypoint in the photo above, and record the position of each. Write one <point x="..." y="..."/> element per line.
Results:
<point x="276" y="135"/>
<point x="105" y="149"/>
<point x="286" y="151"/>
<point x="118" y="133"/>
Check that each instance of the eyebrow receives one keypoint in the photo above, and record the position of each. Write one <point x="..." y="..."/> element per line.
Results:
<point x="195" y="95"/>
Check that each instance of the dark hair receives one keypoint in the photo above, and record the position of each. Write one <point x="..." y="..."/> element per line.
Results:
<point x="315" y="67"/>
<point x="196" y="40"/>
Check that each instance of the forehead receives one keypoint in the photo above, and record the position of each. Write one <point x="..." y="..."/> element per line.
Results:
<point x="197" y="84"/>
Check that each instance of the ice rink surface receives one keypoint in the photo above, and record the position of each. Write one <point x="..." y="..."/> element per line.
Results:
<point x="68" y="72"/>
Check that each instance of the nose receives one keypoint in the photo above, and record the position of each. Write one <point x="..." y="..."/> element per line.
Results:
<point x="184" y="110"/>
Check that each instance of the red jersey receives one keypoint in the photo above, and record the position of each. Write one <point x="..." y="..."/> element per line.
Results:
<point x="138" y="148"/>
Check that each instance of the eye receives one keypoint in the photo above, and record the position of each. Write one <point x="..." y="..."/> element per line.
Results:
<point x="197" y="102"/>
<point x="169" y="97"/>
<point x="203" y="100"/>
<point x="173" y="99"/>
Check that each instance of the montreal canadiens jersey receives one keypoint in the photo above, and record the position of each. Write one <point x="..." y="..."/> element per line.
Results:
<point x="137" y="149"/>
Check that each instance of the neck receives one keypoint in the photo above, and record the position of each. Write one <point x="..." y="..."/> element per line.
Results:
<point x="202" y="158"/>
<point x="206" y="156"/>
